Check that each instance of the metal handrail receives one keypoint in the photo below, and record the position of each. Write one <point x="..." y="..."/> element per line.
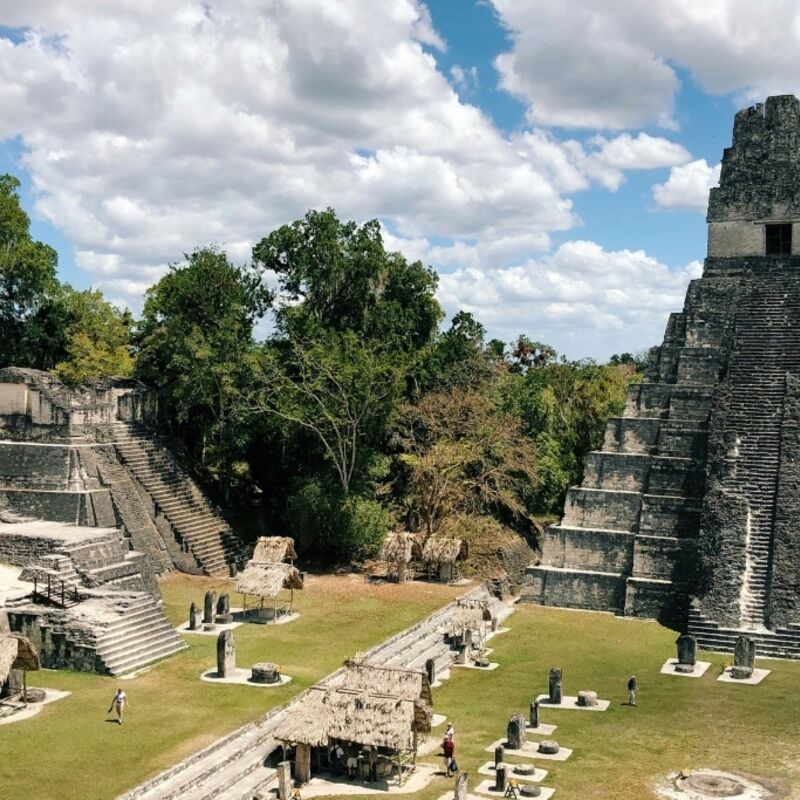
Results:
<point x="57" y="589"/>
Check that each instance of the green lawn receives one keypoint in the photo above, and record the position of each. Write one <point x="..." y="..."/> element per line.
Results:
<point x="679" y="722"/>
<point x="69" y="752"/>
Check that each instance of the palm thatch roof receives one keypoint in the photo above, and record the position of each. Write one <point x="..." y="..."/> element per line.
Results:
<point x="8" y="655"/>
<point x="274" y="549"/>
<point x="267" y="580"/>
<point x="16" y="652"/>
<point x="401" y="547"/>
<point x="444" y="550"/>
<point x="408" y="684"/>
<point x="324" y="714"/>
<point x="468" y="615"/>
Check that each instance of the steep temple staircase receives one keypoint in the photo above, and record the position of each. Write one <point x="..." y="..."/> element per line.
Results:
<point x="194" y="521"/>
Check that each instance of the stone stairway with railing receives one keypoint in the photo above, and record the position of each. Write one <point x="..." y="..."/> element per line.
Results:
<point x="194" y="521"/>
<point x="235" y="767"/>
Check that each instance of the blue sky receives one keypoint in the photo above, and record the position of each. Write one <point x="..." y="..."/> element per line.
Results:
<point x="551" y="161"/>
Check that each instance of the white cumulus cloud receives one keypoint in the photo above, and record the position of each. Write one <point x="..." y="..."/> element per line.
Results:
<point x="687" y="186"/>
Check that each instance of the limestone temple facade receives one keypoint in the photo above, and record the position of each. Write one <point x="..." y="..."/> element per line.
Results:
<point x="93" y="508"/>
<point x="690" y="511"/>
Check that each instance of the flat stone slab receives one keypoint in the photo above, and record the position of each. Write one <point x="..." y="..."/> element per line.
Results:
<point x="487" y="788"/>
<point x="756" y="678"/>
<point x="328" y="786"/>
<point x="493" y="665"/>
<point x="530" y="751"/>
<point x="538" y="774"/>
<point x="700" y="668"/>
<point x="32" y="709"/>
<point x="242" y="677"/>
<point x="569" y="702"/>
<point x="283" y="619"/>
<point x="542" y="730"/>
<point x="441" y="675"/>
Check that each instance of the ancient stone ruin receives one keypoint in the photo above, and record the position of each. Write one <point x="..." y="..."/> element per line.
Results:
<point x="93" y="508"/>
<point x="226" y="655"/>
<point x="689" y="512"/>
<point x="555" y="686"/>
<point x="687" y="653"/>
<point x="744" y="658"/>
<point x="515" y="737"/>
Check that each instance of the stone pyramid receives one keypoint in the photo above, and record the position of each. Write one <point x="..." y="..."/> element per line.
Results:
<point x="690" y="512"/>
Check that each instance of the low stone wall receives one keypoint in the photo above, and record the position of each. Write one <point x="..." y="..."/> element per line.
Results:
<point x="625" y="471"/>
<point x="22" y="550"/>
<point x="579" y="548"/>
<point x="92" y="509"/>
<point x="573" y="589"/>
<point x="595" y="508"/>
<point x="60" y="645"/>
<point x="631" y="435"/>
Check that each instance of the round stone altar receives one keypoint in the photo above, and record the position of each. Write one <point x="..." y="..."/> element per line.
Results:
<point x="707" y="784"/>
<point x="587" y="699"/>
<point x="548" y="746"/>
<point x="265" y="672"/>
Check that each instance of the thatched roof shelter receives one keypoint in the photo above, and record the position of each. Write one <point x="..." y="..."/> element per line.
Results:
<point x="444" y="550"/>
<point x="408" y="684"/>
<point x="274" y="549"/>
<point x="17" y="652"/>
<point x="401" y="547"/>
<point x="267" y="580"/>
<point x="325" y="714"/>
<point x="468" y="616"/>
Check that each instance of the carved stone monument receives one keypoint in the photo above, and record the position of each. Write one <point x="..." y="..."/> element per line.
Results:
<point x="499" y="755"/>
<point x="687" y="653"/>
<point x="548" y="747"/>
<point x="468" y="639"/>
<point x="515" y="738"/>
<point x="265" y="672"/>
<point x="226" y="655"/>
<point x="500" y="779"/>
<point x="224" y="616"/>
<point x="744" y="657"/>
<point x="194" y="612"/>
<point x="555" y="686"/>
<point x="430" y="670"/>
<point x="462" y="787"/>
<point x="534" y="714"/>
<point x="587" y="699"/>
<point x="208" y="608"/>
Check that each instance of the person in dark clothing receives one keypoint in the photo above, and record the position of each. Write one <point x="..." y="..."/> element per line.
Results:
<point x="632" y="686"/>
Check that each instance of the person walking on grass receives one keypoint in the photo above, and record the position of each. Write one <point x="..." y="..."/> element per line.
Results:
<point x="119" y="704"/>
<point x="449" y="748"/>
<point x="632" y="686"/>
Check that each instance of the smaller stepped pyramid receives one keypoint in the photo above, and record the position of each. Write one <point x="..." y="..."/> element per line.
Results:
<point x="690" y="511"/>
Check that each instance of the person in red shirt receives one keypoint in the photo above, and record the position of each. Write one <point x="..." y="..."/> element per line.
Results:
<point x="449" y="751"/>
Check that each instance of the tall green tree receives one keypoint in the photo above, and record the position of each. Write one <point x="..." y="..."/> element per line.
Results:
<point x="196" y="347"/>
<point x="97" y="337"/>
<point x="339" y="389"/>
<point x="30" y="329"/>
<point x="338" y="276"/>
